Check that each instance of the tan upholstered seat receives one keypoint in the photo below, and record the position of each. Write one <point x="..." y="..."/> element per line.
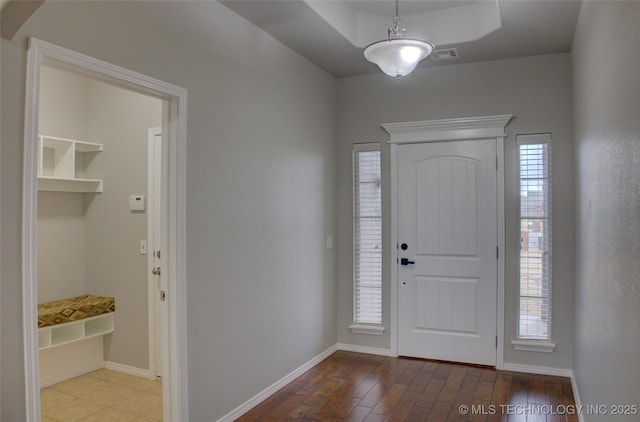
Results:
<point x="74" y="309"/>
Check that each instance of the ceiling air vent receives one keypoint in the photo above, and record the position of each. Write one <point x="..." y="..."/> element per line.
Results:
<point x="445" y="54"/>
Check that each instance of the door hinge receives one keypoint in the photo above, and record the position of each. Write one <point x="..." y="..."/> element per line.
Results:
<point x="497" y="252"/>
<point x="496" y="342"/>
<point x="496" y="162"/>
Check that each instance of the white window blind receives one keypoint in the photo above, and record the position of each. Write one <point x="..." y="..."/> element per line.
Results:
<point x="367" y="234"/>
<point x="534" y="154"/>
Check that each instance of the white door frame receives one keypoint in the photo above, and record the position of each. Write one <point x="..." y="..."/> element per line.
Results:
<point x="174" y="240"/>
<point x="155" y="310"/>
<point x="471" y="128"/>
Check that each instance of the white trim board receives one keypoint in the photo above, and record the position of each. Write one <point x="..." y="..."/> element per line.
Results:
<point x="153" y="238"/>
<point x="175" y="127"/>
<point x="130" y="370"/>
<point x="364" y="349"/>
<point x="457" y="129"/>
<point x="374" y="330"/>
<point x="576" y="396"/>
<point x="264" y="394"/>
<point x="533" y="346"/>
<point x="540" y="370"/>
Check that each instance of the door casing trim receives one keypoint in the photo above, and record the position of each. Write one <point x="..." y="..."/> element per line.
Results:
<point x="447" y="130"/>
<point x="152" y="215"/>
<point x="174" y="227"/>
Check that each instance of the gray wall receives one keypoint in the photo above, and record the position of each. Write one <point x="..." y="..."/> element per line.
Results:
<point x="260" y="189"/>
<point x="11" y="133"/>
<point x="61" y="225"/>
<point x="119" y="119"/>
<point x="63" y="102"/>
<point x="537" y="91"/>
<point x="607" y="110"/>
<point x="61" y="246"/>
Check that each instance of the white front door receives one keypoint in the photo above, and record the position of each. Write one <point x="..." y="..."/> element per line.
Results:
<point x="447" y="235"/>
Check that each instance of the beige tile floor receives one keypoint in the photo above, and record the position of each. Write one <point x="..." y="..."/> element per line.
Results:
<point x="103" y="396"/>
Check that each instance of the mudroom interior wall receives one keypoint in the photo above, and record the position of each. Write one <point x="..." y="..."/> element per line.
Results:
<point x="89" y="243"/>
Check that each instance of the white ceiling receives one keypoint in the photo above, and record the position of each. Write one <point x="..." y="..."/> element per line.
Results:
<point x="387" y="8"/>
<point x="528" y="27"/>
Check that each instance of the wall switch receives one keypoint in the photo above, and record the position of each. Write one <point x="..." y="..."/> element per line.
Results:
<point x="329" y="242"/>
<point x="136" y="203"/>
<point x="143" y="247"/>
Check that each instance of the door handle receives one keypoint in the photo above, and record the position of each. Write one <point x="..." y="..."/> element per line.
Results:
<point x="155" y="271"/>
<point x="405" y="261"/>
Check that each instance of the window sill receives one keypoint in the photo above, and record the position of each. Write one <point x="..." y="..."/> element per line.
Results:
<point x="371" y="329"/>
<point x="542" y="346"/>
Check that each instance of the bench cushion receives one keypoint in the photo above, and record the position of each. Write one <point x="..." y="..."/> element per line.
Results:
<point x="73" y="309"/>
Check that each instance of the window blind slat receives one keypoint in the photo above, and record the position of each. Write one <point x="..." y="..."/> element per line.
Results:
<point x="535" y="241"/>
<point x="367" y="237"/>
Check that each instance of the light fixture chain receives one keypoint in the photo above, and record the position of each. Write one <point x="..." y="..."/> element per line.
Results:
<point x="395" y="32"/>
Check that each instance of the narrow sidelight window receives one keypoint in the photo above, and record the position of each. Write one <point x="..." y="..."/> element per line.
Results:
<point x="367" y="234"/>
<point x="534" y="158"/>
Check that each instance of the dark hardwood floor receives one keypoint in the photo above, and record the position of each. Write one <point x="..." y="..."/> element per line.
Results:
<point x="359" y="387"/>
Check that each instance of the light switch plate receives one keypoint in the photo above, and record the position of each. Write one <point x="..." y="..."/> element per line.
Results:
<point x="329" y="242"/>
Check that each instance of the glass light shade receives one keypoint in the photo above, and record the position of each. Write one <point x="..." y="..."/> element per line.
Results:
<point x="397" y="57"/>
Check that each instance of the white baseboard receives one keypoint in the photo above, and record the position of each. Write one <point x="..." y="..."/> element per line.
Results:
<point x="48" y="382"/>
<point x="576" y="397"/>
<point x="264" y="394"/>
<point x="363" y="349"/>
<point x="541" y="370"/>
<point x="131" y="370"/>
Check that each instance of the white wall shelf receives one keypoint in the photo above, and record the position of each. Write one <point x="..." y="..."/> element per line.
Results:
<point x="69" y="332"/>
<point x="62" y="163"/>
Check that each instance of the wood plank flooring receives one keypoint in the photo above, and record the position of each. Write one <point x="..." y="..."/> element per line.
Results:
<point x="359" y="387"/>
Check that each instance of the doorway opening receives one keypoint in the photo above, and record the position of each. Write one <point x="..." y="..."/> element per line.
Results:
<point x="171" y="201"/>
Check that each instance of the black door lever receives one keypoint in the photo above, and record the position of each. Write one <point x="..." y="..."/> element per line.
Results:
<point x="405" y="261"/>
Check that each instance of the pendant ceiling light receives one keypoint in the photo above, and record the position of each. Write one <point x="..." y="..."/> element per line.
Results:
<point x="397" y="56"/>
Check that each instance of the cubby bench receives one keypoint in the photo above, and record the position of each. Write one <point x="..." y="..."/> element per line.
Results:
<point x="78" y="318"/>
